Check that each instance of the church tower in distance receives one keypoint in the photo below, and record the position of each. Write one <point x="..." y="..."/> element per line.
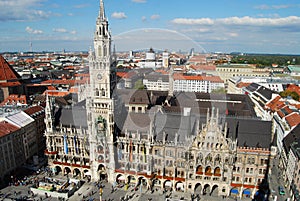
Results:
<point x="100" y="103"/>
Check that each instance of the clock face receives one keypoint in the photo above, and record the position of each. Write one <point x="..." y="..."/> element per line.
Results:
<point x="99" y="76"/>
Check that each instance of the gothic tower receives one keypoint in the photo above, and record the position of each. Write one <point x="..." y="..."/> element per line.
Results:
<point x="100" y="104"/>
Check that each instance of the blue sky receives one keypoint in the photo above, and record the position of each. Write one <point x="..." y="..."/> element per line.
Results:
<point x="211" y="26"/>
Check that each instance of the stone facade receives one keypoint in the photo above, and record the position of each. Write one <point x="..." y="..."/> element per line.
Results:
<point x="156" y="139"/>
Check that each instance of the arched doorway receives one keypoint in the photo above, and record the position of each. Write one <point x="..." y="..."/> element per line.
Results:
<point x="206" y="189"/>
<point x="215" y="191"/>
<point x="168" y="185"/>
<point x="156" y="184"/>
<point x="67" y="170"/>
<point x="76" y="173"/>
<point x="142" y="181"/>
<point x="87" y="174"/>
<point x="120" y="178"/>
<point x="102" y="172"/>
<point x="57" y="170"/>
<point x="198" y="189"/>
<point x="179" y="186"/>
<point x="131" y="180"/>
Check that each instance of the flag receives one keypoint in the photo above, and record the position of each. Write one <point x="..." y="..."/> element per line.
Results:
<point x="144" y="153"/>
<point x="65" y="144"/>
<point x="75" y="145"/>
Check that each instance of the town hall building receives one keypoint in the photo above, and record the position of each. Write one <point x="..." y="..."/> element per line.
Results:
<point x="211" y="144"/>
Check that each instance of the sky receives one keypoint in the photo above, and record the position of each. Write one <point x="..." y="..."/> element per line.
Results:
<point x="252" y="26"/>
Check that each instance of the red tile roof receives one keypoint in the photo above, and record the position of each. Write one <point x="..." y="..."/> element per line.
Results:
<point x="6" y="128"/>
<point x="179" y="76"/>
<point x="293" y="119"/>
<point x="126" y="74"/>
<point x="6" y="71"/>
<point x="242" y="84"/>
<point x="275" y="104"/>
<point x="10" y="84"/>
<point x="33" y="109"/>
<point x="294" y="88"/>
<point x="162" y="71"/>
<point x="203" y="67"/>
<point x="14" y="99"/>
<point x="56" y="93"/>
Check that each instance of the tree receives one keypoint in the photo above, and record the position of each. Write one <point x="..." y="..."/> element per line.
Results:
<point x="139" y="84"/>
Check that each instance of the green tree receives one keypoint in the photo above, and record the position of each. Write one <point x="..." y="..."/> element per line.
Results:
<point x="139" y="84"/>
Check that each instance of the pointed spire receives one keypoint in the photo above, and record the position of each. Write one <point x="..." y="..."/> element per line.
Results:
<point x="102" y="11"/>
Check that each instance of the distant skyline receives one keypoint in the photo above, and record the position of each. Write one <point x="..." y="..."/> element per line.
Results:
<point x="221" y="26"/>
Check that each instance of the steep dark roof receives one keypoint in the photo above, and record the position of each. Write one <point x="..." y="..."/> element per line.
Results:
<point x="290" y="138"/>
<point x="250" y="132"/>
<point x="172" y="124"/>
<point x="252" y="87"/>
<point x="75" y="117"/>
<point x="139" y="97"/>
<point x="265" y="92"/>
<point x="228" y="104"/>
<point x="157" y="76"/>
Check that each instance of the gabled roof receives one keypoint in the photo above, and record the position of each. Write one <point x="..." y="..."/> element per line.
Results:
<point x="6" y="128"/>
<point x="6" y="71"/>
<point x="14" y="99"/>
<point x="293" y="119"/>
<point x="203" y="67"/>
<point x="20" y="119"/>
<point x="275" y="104"/>
<point x="139" y="97"/>
<point x="291" y="137"/>
<point x="250" y="132"/>
<point x="33" y="110"/>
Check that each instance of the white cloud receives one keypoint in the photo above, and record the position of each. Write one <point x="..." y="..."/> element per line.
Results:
<point x="283" y="21"/>
<point x="33" y="31"/>
<point x="276" y="7"/>
<point x="60" y="30"/>
<point x="155" y="17"/>
<point x="198" y="30"/>
<point x="118" y="15"/>
<point x="63" y="30"/>
<point x="144" y="18"/>
<point x="191" y="21"/>
<point x="22" y="10"/>
<point x="139" y="1"/>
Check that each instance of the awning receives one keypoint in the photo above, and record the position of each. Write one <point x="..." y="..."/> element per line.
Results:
<point x="246" y="192"/>
<point x="87" y="174"/>
<point x="179" y="185"/>
<point x="234" y="191"/>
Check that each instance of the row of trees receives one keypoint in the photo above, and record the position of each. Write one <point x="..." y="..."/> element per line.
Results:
<point x="267" y="60"/>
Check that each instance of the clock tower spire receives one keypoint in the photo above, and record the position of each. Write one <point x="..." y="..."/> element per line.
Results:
<point x="100" y="104"/>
